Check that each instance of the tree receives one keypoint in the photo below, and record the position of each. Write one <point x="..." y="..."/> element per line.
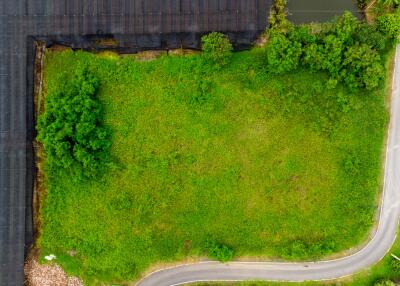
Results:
<point x="217" y="50"/>
<point x="70" y="128"/>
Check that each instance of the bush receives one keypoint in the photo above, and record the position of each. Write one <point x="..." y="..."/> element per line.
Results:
<point x="389" y="24"/>
<point x="389" y="3"/>
<point x="277" y="19"/>
<point x="385" y="283"/>
<point x="362" y="67"/>
<point x="347" y="49"/>
<point x="220" y="252"/>
<point x="70" y="130"/>
<point x="217" y="49"/>
<point x="333" y="49"/>
<point x="395" y="265"/>
<point x="371" y="36"/>
<point x="283" y="55"/>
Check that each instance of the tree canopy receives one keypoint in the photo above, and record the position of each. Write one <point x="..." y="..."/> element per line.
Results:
<point x="70" y="128"/>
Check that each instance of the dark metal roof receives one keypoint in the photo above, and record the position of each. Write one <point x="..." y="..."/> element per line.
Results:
<point x="138" y="24"/>
<point x="306" y="11"/>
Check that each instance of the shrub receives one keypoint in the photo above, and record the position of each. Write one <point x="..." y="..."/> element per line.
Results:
<point x="371" y="36"/>
<point x="389" y="3"/>
<point x="362" y="67"/>
<point x="333" y="48"/>
<point x="277" y="19"/>
<point x="70" y="128"/>
<point x="346" y="26"/>
<point x="314" y="56"/>
<point x="283" y="55"/>
<point x="385" y="283"/>
<point x="347" y="49"/>
<point x="389" y="24"/>
<point x="352" y="164"/>
<point x="217" y="49"/>
<point x="220" y="252"/>
<point x="395" y="265"/>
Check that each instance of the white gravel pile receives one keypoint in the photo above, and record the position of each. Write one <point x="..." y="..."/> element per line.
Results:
<point x="48" y="275"/>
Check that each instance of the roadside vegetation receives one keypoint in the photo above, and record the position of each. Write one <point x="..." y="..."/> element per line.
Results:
<point x="273" y="152"/>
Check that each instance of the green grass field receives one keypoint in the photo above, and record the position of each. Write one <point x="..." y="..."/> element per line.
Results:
<point x="272" y="166"/>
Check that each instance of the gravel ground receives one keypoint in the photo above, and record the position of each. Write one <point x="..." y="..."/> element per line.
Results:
<point x="47" y="275"/>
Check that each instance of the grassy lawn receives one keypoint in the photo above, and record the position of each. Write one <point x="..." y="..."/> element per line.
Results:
<point x="272" y="166"/>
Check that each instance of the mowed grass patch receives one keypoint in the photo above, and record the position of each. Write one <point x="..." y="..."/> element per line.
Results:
<point x="272" y="166"/>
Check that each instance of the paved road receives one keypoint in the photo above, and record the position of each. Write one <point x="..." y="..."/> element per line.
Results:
<point x="370" y="254"/>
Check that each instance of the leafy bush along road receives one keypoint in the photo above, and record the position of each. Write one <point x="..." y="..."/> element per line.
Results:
<point x="220" y="154"/>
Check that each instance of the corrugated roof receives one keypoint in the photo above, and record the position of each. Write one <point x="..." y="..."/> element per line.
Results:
<point x="177" y="21"/>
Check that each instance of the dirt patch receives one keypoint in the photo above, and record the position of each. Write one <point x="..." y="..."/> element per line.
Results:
<point x="369" y="13"/>
<point x="38" y="188"/>
<point x="149" y="55"/>
<point x="37" y="274"/>
<point x="262" y="40"/>
<point x="107" y="42"/>
<point x="58" y="47"/>
<point x="182" y="52"/>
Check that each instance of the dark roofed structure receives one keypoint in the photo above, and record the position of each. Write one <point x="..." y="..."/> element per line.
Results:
<point x="136" y="25"/>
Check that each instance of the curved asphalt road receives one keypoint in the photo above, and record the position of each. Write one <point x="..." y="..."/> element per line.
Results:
<point x="321" y="270"/>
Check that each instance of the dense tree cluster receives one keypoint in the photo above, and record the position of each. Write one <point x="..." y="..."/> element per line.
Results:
<point x="70" y="128"/>
<point x="347" y="49"/>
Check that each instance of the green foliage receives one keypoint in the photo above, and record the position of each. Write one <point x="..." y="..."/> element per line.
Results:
<point x="352" y="164"/>
<point x="283" y="55"/>
<point x="347" y="49"/>
<point x="299" y="248"/>
<point x="385" y="283"/>
<point x="389" y="24"/>
<point x="217" y="50"/>
<point x="395" y="266"/>
<point x="362" y="3"/>
<point x="345" y="28"/>
<point x="362" y="67"/>
<point x="277" y="18"/>
<point x="389" y="3"/>
<point x="220" y="252"/>
<point x="70" y="128"/>
<point x="371" y="36"/>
